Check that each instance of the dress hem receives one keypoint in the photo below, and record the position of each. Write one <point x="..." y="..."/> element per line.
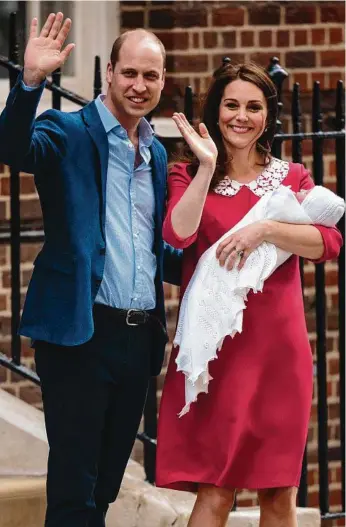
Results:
<point x="192" y="485"/>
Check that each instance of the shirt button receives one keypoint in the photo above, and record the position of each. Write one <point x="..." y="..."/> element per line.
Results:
<point x="138" y="267"/>
<point x="135" y="298"/>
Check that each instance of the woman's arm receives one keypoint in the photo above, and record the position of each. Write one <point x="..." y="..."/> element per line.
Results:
<point x="331" y="236"/>
<point x="302" y="240"/>
<point x="177" y="184"/>
<point x="314" y="242"/>
<point x="186" y="215"/>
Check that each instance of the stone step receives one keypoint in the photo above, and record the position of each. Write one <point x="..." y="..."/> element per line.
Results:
<point x="24" y="446"/>
<point x="22" y="501"/>
<point x="23" y="460"/>
<point x="142" y="505"/>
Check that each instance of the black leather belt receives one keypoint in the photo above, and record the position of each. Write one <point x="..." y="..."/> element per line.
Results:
<point x="131" y="317"/>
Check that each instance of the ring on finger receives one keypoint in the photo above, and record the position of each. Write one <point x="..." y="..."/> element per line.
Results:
<point x="240" y="254"/>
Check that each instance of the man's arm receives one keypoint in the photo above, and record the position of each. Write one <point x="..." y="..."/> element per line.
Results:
<point x="172" y="264"/>
<point x="43" y="55"/>
<point x="17" y="125"/>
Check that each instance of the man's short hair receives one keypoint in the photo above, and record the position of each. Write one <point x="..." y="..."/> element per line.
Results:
<point x="120" y="41"/>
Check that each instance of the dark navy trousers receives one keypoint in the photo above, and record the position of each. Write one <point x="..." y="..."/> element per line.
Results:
<point x="93" y="398"/>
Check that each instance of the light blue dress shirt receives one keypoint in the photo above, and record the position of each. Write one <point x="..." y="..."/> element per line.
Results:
<point x="130" y="261"/>
<point x="130" y="264"/>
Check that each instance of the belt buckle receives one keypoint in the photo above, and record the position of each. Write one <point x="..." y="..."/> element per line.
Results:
<point x="128" y="314"/>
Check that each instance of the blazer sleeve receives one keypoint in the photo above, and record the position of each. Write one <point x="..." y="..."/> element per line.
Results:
<point x="172" y="264"/>
<point x="178" y="181"/>
<point x="332" y="238"/>
<point x="24" y="141"/>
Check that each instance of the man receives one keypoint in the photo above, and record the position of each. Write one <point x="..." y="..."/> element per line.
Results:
<point x="94" y="307"/>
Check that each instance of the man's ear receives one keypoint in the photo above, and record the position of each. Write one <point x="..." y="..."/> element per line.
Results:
<point x="163" y="77"/>
<point x="109" y="73"/>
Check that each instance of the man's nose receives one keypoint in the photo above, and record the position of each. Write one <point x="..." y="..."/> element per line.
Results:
<point x="139" y="86"/>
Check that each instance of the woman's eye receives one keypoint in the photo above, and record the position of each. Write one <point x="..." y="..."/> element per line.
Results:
<point x="255" y="108"/>
<point x="232" y="106"/>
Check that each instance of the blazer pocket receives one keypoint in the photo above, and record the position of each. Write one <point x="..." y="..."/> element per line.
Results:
<point x="63" y="262"/>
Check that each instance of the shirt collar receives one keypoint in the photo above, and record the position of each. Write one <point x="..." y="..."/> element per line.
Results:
<point x="110" y="122"/>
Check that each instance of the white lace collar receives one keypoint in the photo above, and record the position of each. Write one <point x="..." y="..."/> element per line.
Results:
<point x="270" y="179"/>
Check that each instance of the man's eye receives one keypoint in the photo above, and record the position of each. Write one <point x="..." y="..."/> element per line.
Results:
<point x="151" y="76"/>
<point x="129" y="74"/>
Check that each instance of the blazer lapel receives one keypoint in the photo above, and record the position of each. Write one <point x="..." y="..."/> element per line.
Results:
<point x="158" y="175"/>
<point x="98" y="134"/>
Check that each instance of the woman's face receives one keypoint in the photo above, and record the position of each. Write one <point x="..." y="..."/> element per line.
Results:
<point x="242" y="114"/>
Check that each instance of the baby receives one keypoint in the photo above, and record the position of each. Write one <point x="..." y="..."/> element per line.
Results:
<point x="213" y="304"/>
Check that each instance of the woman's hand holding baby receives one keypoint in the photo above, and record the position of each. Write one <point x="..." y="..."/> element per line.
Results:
<point x="240" y="244"/>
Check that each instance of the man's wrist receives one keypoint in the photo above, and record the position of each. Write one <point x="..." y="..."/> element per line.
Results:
<point x="33" y="79"/>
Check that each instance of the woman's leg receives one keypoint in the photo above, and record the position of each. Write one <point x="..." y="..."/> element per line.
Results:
<point x="212" y="507"/>
<point x="278" y="507"/>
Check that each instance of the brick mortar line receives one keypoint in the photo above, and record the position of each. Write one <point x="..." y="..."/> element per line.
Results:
<point x="207" y="74"/>
<point x="248" y="27"/>
<point x="334" y="354"/>
<point x="263" y="49"/>
<point x="315" y="489"/>
<point x="334" y="464"/>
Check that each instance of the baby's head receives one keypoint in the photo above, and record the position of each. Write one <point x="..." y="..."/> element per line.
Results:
<point x="322" y="205"/>
<point x="301" y="195"/>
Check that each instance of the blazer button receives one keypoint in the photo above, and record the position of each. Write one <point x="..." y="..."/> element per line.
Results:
<point x="103" y="251"/>
<point x="98" y="281"/>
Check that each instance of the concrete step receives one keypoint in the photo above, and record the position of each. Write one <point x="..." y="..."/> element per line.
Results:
<point x="23" y="460"/>
<point x="141" y="505"/>
<point x="23" y="440"/>
<point x="22" y="501"/>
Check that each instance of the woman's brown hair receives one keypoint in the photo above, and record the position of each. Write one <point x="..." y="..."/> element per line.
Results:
<point x="227" y="73"/>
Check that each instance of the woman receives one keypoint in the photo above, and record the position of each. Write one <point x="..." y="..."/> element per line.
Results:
<point x="250" y="430"/>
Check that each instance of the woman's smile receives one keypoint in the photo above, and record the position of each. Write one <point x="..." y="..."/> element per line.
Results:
<point x="240" y="129"/>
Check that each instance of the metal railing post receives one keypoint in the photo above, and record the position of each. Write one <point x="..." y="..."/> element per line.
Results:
<point x="97" y="88"/>
<point x="321" y="343"/>
<point x="188" y="104"/>
<point x="278" y="75"/>
<point x="15" y="215"/>
<point x="56" y="96"/>
<point x="297" y="158"/>
<point x="340" y="185"/>
<point x="150" y="430"/>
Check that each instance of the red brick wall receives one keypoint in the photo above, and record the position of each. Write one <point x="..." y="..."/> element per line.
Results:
<point x="308" y="39"/>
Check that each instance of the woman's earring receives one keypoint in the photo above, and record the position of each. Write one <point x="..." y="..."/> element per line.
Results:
<point x="266" y="129"/>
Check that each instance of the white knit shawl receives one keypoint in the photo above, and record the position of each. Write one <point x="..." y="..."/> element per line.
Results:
<point x="213" y="304"/>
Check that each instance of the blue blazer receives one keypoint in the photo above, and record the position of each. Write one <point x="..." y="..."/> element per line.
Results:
<point x="68" y="153"/>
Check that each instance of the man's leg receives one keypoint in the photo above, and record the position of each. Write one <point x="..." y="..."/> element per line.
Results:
<point x="123" y="418"/>
<point x="75" y="397"/>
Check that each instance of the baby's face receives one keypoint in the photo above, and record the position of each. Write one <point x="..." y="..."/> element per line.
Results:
<point x="301" y="195"/>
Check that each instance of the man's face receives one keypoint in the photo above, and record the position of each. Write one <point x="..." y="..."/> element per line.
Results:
<point x="135" y="84"/>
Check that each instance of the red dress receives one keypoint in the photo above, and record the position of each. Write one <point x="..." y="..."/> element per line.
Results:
<point x="250" y="430"/>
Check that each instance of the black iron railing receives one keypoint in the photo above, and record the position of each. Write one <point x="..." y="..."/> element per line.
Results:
<point x="16" y="233"/>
